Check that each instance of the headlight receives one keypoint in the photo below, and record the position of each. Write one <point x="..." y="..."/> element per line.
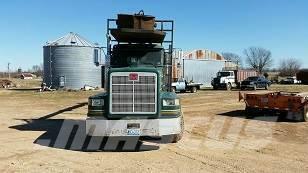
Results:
<point x="97" y="102"/>
<point x="251" y="83"/>
<point x="171" y="102"/>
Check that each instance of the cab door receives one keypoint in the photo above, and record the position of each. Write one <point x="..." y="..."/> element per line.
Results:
<point x="261" y="82"/>
<point x="181" y="84"/>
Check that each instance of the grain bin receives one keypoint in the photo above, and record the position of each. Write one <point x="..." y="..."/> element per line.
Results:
<point x="72" y="62"/>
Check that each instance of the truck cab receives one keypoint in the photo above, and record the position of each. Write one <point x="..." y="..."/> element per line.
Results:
<point x="138" y="100"/>
<point x="224" y="79"/>
<point x="182" y="86"/>
<point x="179" y="85"/>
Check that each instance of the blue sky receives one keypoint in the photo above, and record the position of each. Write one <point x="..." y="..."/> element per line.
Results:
<point x="220" y="25"/>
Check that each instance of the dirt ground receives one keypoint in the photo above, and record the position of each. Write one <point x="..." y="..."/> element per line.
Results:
<point x="217" y="137"/>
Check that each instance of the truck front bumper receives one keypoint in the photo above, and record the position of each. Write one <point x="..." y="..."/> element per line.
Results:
<point x="98" y="126"/>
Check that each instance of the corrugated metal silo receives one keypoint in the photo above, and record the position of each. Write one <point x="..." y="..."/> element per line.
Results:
<point x="72" y="62"/>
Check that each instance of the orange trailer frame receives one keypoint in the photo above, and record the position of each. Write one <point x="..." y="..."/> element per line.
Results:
<point x="286" y="105"/>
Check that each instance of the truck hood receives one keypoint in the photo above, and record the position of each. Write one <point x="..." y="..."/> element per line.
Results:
<point x="220" y="79"/>
<point x="247" y="82"/>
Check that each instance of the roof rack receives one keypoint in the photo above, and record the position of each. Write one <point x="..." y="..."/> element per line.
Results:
<point x="162" y="26"/>
<point x="159" y="26"/>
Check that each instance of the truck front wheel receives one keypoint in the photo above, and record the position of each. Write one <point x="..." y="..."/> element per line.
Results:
<point x="173" y="89"/>
<point x="254" y="87"/>
<point x="229" y="86"/>
<point x="193" y="89"/>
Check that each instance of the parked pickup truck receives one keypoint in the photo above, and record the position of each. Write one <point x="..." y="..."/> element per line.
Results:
<point x="182" y="86"/>
<point x="290" y="80"/>
<point x="255" y="82"/>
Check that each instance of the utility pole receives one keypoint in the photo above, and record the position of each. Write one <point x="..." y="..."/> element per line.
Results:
<point x="8" y="70"/>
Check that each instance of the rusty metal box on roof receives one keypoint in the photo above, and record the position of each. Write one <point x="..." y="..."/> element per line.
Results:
<point x="137" y="21"/>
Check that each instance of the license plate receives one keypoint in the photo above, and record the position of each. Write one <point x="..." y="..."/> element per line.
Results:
<point x="133" y="132"/>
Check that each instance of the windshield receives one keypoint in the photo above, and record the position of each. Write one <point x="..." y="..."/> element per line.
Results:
<point x="154" y="58"/>
<point x="253" y="78"/>
<point x="223" y="74"/>
<point x="123" y="57"/>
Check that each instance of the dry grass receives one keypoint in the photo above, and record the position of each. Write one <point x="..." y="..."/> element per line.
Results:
<point x="30" y="83"/>
<point x="289" y="88"/>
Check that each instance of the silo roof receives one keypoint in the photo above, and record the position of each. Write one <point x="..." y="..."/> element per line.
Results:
<point x="71" y="39"/>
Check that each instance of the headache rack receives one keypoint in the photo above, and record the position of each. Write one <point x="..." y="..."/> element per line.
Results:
<point x="161" y="33"/>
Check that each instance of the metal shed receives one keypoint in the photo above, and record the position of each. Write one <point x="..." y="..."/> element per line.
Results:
<point x="72" y="62"/>
<point x="201" y="71"/>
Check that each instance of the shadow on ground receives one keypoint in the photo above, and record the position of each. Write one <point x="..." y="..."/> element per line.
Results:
<point x="70" y="108"/>
<point x="263" y="117"/>
<point x="69" y="134"/>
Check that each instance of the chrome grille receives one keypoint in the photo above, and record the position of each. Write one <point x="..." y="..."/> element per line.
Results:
<point x="133" y="97"/>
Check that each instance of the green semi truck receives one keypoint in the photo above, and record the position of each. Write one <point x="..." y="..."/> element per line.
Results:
<point x="138" y="100"/>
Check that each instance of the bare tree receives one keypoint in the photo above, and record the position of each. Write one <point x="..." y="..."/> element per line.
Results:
<point x="232" y="57"/>
<point x="258" y="58"/>
<point x="289" y="67"/>
<point x="37" y="70"/>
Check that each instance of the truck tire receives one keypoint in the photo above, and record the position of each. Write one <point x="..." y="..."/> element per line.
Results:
<point x="254" y="87"/>
<point x="173" y="89"/>
<point x="215" y="87"/>
<point x="229" y="87"/>
<point x="193" y="89"/>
